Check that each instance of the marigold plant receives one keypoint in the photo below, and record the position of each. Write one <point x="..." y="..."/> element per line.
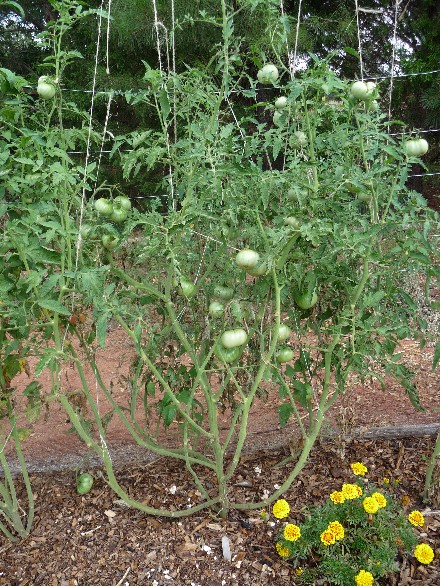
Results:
<point x="356" y="541"/>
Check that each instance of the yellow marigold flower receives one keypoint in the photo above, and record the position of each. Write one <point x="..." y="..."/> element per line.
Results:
<point x="336" y="528"/>
<point x="328" y="537"/>
<point x="380" y="499"/>
<point x="370" y="504"/>
<point x="281" y="509"/>
<point x="424" y="553"/>
<point x="299" y="571"/>
<point x="291" y="532"/>
<point x="416" y="518"/>
<point x="351" y="491"/>
<point x="358" y="469"/>
<point x="364" y="578"/>
<point x="282" y="550"/>
<point x="337" y="497"/>
<point x="386" y="480"/>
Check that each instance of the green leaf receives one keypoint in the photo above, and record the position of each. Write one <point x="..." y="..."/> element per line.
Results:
<point x="101" y="329"/>
<point x="13" y="5"/>
<point x="53" y="305"/>
<point x="284" y="413"/>
<point x="436" y="358"/>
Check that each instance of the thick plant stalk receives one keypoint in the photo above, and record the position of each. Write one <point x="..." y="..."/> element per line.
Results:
<point x="430" y="469"/>
<point x="9" y="505"/>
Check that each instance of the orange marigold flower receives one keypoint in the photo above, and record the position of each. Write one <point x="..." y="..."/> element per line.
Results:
<point x="336" y="528"/>
<point x="416" y="518"/>
<point x="291" y="532"/>
<point x="358" y="469"/>
<point x="424" y="553"/>
<point x="328" y="537"/>
<point x="337" y="497"/>
<point x="282" y="550"/>
<point x="370" y="504"/>
<point x="281" y="509"/>
<point x="380" y="499"/>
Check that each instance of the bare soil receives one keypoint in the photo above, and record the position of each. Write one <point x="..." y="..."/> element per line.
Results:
<point x="94" y="540"/>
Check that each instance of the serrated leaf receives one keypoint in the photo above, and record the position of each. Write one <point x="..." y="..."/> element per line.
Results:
<point x="284" y="413"/>
<point x="101" y="329"/>
<point x="53" y="305"/>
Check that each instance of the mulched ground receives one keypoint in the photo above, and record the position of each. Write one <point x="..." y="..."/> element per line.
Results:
<point x="93" y="540"/>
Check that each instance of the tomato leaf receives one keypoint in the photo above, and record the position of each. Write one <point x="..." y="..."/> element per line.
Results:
<point x="53" y="305"/>
<point x="436" y="358"/>
<point x="284" y="413"/>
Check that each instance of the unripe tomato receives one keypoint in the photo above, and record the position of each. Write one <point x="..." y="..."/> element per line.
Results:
<point x="224" y="292"/>
<point x="284" y="354"/>
<point x="416" y="147"/>
<point x="283" y="332"/>
<point x="226" y="354"/>
<point x="247" y="259"/>
<point x="292" y="222"/>
<point x="359" y="90"/>
<point x="109" y="241"/>
<point x="216" y="309"/>
<point x="122" y="202"/>
<point x="258" y="270"/>
<point x="278" y="118"/>
<point x="104" y="207"/>
<point x="234" y="338"/>
<point x="300" y="138"/>
<point x="281" y="103"/>
<point x="305" y="301"/>
<point x="46" y="90"/>
<point x="187" y="288"/>
<point x="84" y="483"/>
<point x="118" y="215"/>
<point x="268" y="74"/>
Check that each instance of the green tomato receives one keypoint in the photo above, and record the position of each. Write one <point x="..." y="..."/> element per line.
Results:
<point x="187" y="288"/>
<point x="104" y="207"/>
<point x="84" y="483"/>
<point x="364" y="196"/>
<point x="216" y="309"/>
<point x="268" y="74"/>
<point x="306" y="301"/>
<point x="300" y="138"/>
<point x="278" y="118"/>
<point x="109" y="241"/>
<point x="227" y="355"/>
<point x="119" y="214"/>
<point x="234" y="338"/>
<point x="258" y="270"/>
<point x="45" y="89"/>
<point x="416" y="147"/>
<point x="284" y="354"/>
<point x="86" y="231"/>
<point x="359" y="90"/>
<point x="247" y="259"/>
<point x="281" y="103"/>
<point x="283" y="332"/>
<point x="122" y="202"/>
<point x="224" y="292"/>
<point x="292" y="222"/>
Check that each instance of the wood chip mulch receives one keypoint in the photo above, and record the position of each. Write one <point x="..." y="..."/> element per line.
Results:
<point x="93" y="540"/>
